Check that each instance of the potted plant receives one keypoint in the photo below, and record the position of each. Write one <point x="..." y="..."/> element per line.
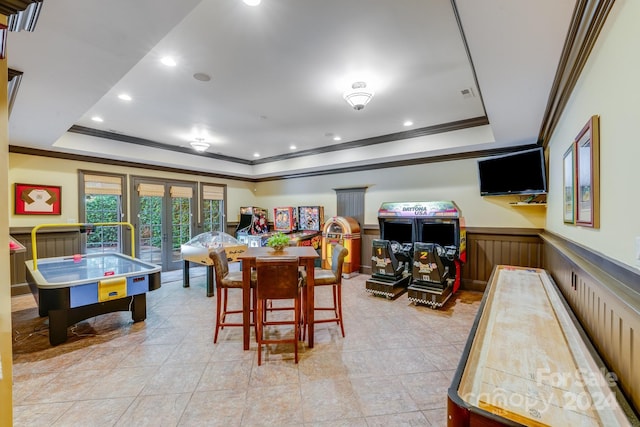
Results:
<point x="278" y="241"/>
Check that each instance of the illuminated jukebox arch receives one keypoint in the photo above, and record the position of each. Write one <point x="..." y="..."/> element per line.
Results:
<point x="346" y="232"/>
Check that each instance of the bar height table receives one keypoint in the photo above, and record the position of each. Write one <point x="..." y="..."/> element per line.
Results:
<point x="306" y="255"/>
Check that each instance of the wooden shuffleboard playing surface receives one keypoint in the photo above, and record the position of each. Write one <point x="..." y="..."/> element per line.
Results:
<point x="528" y="362"/>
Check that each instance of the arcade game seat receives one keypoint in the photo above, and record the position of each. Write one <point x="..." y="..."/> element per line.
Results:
<point x="428" y="269"/>
<point x="433" y="274"/>
<point x="385" y="265"/>
<point x="389" y="268"/>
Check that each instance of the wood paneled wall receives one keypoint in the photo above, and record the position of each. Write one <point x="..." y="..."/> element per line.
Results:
<point x="605" y="298"/>
<point x="488" y="247"/>
<point x="51" y="243"/>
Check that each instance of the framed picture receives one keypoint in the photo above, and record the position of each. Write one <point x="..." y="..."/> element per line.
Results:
<point x="569" y="185"/>
<point x="37" y="199"/>
<point x="588" y="174"/>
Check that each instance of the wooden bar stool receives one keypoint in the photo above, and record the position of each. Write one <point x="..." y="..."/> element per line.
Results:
<point x="226" y="280"/>
<point x="277" y="279"/>
<point x="333" y="278"/>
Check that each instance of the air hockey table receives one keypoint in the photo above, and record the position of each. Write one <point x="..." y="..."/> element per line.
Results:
<point x="74" y="288"/>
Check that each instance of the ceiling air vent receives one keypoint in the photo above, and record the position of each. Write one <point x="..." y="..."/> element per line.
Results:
<point x="467" y="93"/>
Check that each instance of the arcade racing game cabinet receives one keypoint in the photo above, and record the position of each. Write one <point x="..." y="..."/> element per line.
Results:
<point x="391" y="254"/>
<point x="400" y="258"/>
<point x="438" y="254"/>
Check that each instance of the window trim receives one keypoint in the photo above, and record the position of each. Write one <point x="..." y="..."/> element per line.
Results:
<point x="124" y="203"/>
<point x="201" y="191"/>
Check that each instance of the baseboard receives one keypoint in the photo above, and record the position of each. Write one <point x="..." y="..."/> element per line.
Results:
<point x="20" y="289"/>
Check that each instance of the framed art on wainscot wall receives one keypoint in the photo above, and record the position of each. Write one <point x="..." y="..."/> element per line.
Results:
<point x="587" y="153"/>
<point x="33" y="199"/>
<point x="569" y="187"/>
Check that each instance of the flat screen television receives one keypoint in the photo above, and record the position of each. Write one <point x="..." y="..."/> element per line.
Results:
<point x="522" y="172"/>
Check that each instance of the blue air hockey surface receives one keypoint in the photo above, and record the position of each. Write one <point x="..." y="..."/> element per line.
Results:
<point x="74" y="288"/>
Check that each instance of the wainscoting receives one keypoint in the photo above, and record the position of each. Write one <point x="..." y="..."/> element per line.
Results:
<point x="52" y="242"/>
<point x="486" y="248"/>
<point x="605" y="298"/>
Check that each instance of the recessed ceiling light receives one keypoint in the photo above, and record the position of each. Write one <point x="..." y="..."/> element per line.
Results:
<point x="252" y="2"/>
<point x="256" y="154"/>
<point x="337" y="138"/>
<point x="97" y="119"/>
<point x="168" y="61"/>
<point x="408" y="123"/>
<point x="293" y="147"/>
<point x="124" y="97"/>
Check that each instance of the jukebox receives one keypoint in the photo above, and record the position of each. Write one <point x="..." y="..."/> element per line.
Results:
<point x="346" y="232"/>
<point x="421" y="249"/>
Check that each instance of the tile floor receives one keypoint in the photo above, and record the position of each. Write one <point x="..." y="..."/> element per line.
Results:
<point x="393" y="367"/>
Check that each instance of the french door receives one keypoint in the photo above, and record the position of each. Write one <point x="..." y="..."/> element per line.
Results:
<point x="163" y="219"/>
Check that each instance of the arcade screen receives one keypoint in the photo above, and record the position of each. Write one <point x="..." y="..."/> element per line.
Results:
<point x="401" y="232"/>
<point x="442" y="233"/>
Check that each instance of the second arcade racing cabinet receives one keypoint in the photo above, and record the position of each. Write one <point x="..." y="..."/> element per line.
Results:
<point x="438" y="254"/>
<point x="433" y="274"/>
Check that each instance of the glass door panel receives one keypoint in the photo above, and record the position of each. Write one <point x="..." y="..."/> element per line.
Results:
<point x="181" y="221"/>
<point x="150" y="229"/>
<point x="163" y="211"/>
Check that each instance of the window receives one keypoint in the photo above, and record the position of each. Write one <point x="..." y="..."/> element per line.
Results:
<point x="102" y="200"/>
<point x="213" y="208"/>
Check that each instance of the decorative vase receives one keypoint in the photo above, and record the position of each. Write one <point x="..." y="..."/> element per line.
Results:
<point x="278" y="248"/>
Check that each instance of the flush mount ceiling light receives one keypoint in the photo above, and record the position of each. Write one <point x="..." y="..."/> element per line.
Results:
<point x="251" y="2"/>
<point x="358" y="96"/>
<point x="199" y="145"/>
